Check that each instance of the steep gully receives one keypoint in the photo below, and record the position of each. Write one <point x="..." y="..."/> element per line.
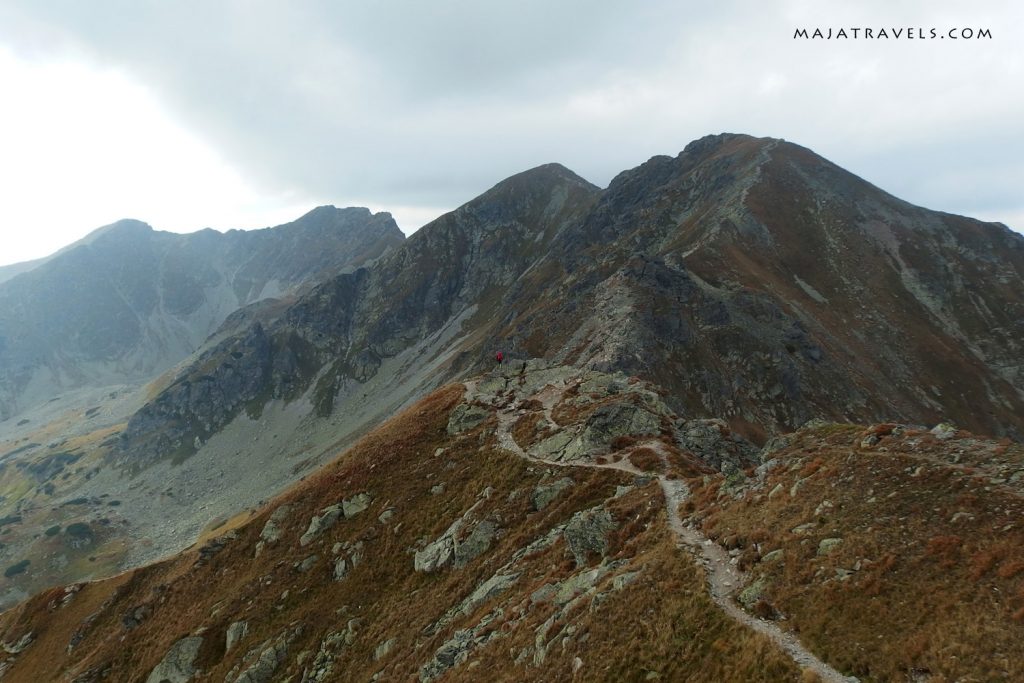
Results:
<point x="724" y="578"/>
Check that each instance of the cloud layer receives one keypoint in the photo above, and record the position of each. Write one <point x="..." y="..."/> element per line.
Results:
<point x="423" y="105"/>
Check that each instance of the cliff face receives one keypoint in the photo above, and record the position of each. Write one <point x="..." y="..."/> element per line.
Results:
<point x="127" y="302"/>
<point x="754" y="280"/>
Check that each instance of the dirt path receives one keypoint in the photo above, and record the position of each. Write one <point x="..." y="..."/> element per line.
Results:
<point x="724" y="578"/>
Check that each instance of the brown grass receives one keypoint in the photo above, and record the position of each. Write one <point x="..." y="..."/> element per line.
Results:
<point x="646" y="460"/>
<point x="929" y="586"/>
<point x="662" y="622"/>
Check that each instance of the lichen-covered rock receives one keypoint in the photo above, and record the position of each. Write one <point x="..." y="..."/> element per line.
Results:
<point x="272" y="656"/>
<point x="178" y="665"/>
<point x="553" y="447"/>
<point x="384" y="649"/>
<point x="827" y="545"/>
<point x="465" y="539"/>
<point x="713" y="442"/>
<point x="620" y="419"/>
<point x="322" y="667"/>
<point x="320" y="523"/>
<point x="307" y="564"/>
<point x="476" y="543"/>
<point x="20" y="644"/>
<point x="492" y="587"/>
<point x="341" y="568"/>
<point x="356" y="504"/>
<point x="944" y="431"/>
<point x="545" y="493"/>
<point x="271" y="531"/>
<point x="465" y="417"/>
<point x="235" y="633"/>
<point x="456" y="650"/>
<point x="586" y="532"/>
<point x="753" y="592"/>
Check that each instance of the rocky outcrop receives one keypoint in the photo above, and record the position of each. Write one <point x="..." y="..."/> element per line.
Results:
<point x="236" y="632"/>
<point x="331" y="646"/>
<point x="465" y="539"/>
<point x="321" y="523"/>
<point x="178" y="665"/>
<point x="465" y="417"/>
<point x="358" y="503"/>
<point x="271" y="531"/>
<point x="716" y="444"/>
<point x="329" y="516"/>
<point x="456" y="650"/>
<point x="268" y="657"/>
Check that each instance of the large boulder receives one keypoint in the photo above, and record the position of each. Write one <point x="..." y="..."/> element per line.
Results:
<point x="586" y="532"/>
<point x="356" y="504"/>
<point x="321" y="523"/>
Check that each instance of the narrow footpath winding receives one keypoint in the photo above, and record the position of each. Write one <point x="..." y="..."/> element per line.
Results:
<point x="724" y="578"/>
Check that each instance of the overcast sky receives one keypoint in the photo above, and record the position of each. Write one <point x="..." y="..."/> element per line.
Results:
<point x="242" y="114"/>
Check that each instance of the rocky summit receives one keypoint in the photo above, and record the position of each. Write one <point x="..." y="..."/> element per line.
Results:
<point x="755" y="420"/>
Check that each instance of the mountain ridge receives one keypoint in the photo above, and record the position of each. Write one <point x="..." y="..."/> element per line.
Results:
<point x="668" y="212"/>
<point x="127" y="301"/>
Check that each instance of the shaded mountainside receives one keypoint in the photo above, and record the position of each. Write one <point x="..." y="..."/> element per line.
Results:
<point x="427" y="303"/>
<point x="754" y="280"/>
<point x="522" y="527"/>
<point x="127" y="302"/>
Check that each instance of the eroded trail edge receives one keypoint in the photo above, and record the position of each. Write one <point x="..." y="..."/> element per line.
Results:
<point x="724" y="579"/>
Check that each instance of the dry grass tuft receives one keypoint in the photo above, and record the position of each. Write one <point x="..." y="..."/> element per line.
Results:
<point x="646" y="460"/>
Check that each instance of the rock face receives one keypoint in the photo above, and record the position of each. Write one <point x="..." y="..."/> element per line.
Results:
<point x="128" y="302"/>
<point x="691" y="271"/>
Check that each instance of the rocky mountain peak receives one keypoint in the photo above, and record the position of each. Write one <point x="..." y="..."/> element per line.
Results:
<point x="126" y="228"/>
<point x="541" y="181"/>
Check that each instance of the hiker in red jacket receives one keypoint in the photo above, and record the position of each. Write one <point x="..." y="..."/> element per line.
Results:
<point x="499" y="357"/>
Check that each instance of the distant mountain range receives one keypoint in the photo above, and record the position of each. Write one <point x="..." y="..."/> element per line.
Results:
<point x="127" y="302"/>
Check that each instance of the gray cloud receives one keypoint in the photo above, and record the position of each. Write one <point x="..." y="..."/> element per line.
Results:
<point x="427" y="104"/>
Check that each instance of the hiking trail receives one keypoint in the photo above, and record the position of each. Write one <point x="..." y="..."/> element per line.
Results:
<point x="724" y="579"/>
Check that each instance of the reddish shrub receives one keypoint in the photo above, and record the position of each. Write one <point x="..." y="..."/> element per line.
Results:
<point x="946" y="548"/>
